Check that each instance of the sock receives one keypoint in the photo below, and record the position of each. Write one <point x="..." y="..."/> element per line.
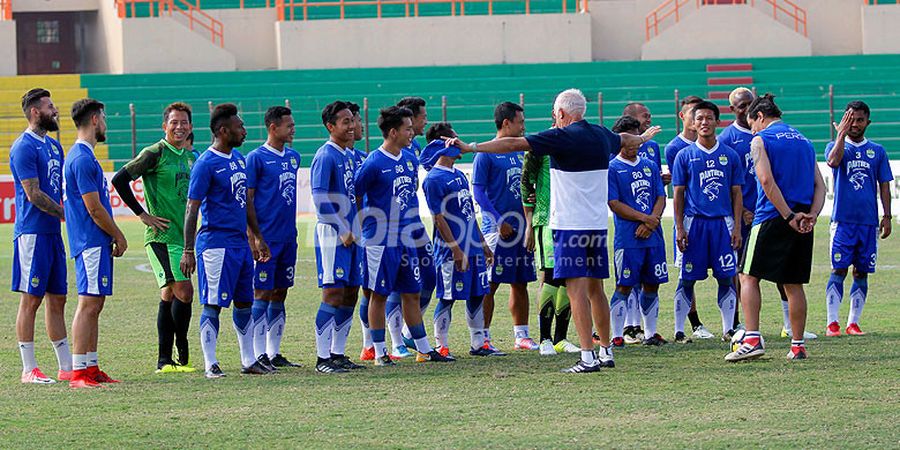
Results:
<point x="633" y="308"/>
<point x="487" y="334"/>
<point x="475" y="321"/>
<point x="786" y="314"/>
<point x="165" y="332"/>
<point x="588" y="356"/>
<point x="324" y="326"/>
<point x="26" y="349"/>
<point x="694" y="318"/>
<point x="617" y="312"/>
<point x="417" y="333"/>
<point x="858" y="292"/>
<point x="683" y="294"/>
<point x="274" y="327"/>
<point x="181" y="316"/>
<point x="726" y="298"/>
<point x="752" y="338"/>
<point x="92" y="359"/>
<point x="424" y="300"/>
<point x="79" y="361"/>
<point x="798" y="343"/>
<point x="364" y="322"/>
<point x="834" y="294"/>
<point x="563" y="315"/>
<point x="605" y="354"/>
<point x="259" y="324"/>
<point x="519" y="331"/>
<point x="343" y="318"/>
<point x="393" y="311"/>
<point x="243" y="324"/>
<point x="737" y="316"/>
<point x="649" y="312"/>
<point x="546" y="309"/>
<point x="63" y="355"/>
<point x="209" y="334"/>
<point x="378" y="342"/>
<point x="442" y="318"/>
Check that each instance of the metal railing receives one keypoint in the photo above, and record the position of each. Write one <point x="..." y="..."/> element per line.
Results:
<point x="287" y="8"/>
<point x="780" y="10"/>
<point x="189" y="11"/>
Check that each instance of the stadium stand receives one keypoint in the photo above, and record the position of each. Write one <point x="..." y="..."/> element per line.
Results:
<point x="801" y="84"/>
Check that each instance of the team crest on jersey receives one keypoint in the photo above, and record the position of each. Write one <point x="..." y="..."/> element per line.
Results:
<point x="460" y="285"/>
<point x="339" y="272"/>
<point x="241" y="163"/>
<point x="104" y="281"/>
<point x="520" y="157"/>
<point x="626" y="273"/>
<point x="688" y="267"/>
<point x="224" y="296"/>
<point x="723" y="160"/>
<point x="837" y="256"/>
<point x="870" y="153"/>
<point x="35" y="281"/>
<point x="647" y="171"/>
<point x="498" y="269"/>
<point x="650" y="151"/>
<point x="409" y="166"/>
<point x="294" y="163"/>
<point x="263" y="276"/>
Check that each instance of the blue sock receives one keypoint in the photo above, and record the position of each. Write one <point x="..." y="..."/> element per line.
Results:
<point x="343" y="318"/>
<point x="324" y="325"/>
<point x="424" y="301"/>
<point x="834" y="295"/>
<point x="364" y="311"/>
<point x="241" y="317"/>
<point x="275" y="317"/>
<point x="258" y="310"/>
<point x="618" y="308"/>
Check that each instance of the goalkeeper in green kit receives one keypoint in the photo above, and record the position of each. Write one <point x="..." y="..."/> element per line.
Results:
<point x="165" y="169"/>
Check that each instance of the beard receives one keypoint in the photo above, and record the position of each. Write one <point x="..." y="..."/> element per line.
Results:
<point x="48" y="123"/>
<point x="100" y="135"/>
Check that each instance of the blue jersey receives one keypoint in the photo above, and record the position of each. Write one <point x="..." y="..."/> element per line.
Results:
<point x="637" y="185"/>
<point x="219" y="182"/>
<point x="414" y="147"/>
<point x="501" y="176"/>
<point x="84" y="175"/>
<point x="738" y="138"/>
<point x="356" y="158"/>
<point x="650" y="150"/>
<point x="33" y="156"/>
<point x="334" y="194"/>
<point x="793" y="163"/>
<point x="856" y="180"/>
<point x="447" y="193"/>
<point x="388" y="185"/>
<point x="707" y="176"/>
<point x="673" y="148"/>
<point x="273" y="176"/>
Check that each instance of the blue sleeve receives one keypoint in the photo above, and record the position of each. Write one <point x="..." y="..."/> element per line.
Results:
<point x="547" y="142"/>
<point x="671" y="152"/>
<point x="434" y="196"/>
<point x="24" y="162"/>
<point x="484" y="201"/>
<point x="320" y="174"/>
<point x="737" y="170"/>
<point x="612" y="185"/>
<point x="659" y="188"/>
<point x="679" y="170"/>
<point x="199" y="185"/>
<point x="85" y="175"/>
<point x="481" y="169"/>
<point x="884" y="168"/>
<point x="657" y="158"/>
<point x="253" y="166"/>
<point x="828" y="148"/>
<point x="363" y="178"/>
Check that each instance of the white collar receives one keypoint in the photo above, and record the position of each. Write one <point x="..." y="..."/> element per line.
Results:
<point x="707" y="150"/>
<point x="35" y="135"/>
<point x="336" y="147"/>
<point x="445" y="168"/>
<point x="773" y="122"/>
<point x="632" y="164"/>
<point x="272" y="149"/>
<point x="86" y="144"/>
<point x="681" y="136"/>
<point x="391" y="155"/>
<point x="856" y="144"/>
<point x="740" y="128"/>
<point x="220" y="154"/>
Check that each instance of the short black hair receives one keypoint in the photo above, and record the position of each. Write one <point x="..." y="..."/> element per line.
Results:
<point x="178" y="106"/>
<point x="707" y="105"/>
<point x="858" y="105"/>
<point x="506" y="111"/>
<point x="331" y="110"/>
<point x="764" y="104"/>
<point x="33" y="98"/>
<point x="436" y="130"/>
<point x="353" y="107"/>
<point x="392" y="117"/>
<point x="190" y="138"/>
<point x="625" y="124"/>
<point x="631" y="106"/>
<point x="220" y="114"/>
<point x="83" y="110"/>
<point x="275" y="114"/>
<point x="690" y="100"/>
<point x="414" y="104"/>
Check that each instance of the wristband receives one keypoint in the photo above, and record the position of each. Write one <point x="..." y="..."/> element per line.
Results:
<point x="474" y="146"/>
<point x="189" y="251"/>
<point x="790" y="217"/>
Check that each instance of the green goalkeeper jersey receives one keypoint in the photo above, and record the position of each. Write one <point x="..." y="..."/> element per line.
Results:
<point x="536" y="181"/>
<point x="166" y="173"/>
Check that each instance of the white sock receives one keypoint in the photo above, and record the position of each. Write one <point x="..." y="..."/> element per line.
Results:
<point x="406" y="332"/>
<point x="63" y="355"/>
<point x="633" y="309"/>
<point x="92" y="359"/>
<point x="245" y="344"/>
<point x="339" y="338"/>
<point x="650" y="318"/>
<point x="786" y="315"/>
<point x="727" y="305"/>
<point x="520" y="331"/>
<point x="26" y="349"/>
<point x="857" y="302"/>
<point x="588" y="356"/>
<point x="475" y="321"/>
<point x="682" y="308"/>
<point x="79" y="362"/>
<point x="833" y="298"/>
<point x="380" y="349"/>
<point x="366" y="334"/>
<point x="487" y="334"/>
<point x="259" y="335"/>
<point x="442" y="328"/>
<point x="395" y="327"/>
<point x="618" y="308"/>
<point x="423" y="346"/>
<point x="605" y="354"/>
<point x="209" y="337"/>
<point x="274" y="333"/>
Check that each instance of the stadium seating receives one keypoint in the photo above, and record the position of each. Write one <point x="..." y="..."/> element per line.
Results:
<point x="801" y="85"/>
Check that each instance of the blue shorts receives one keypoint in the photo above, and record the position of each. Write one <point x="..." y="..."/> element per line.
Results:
<point x="641" y="265"/>
<point x="425" y="260"/>
<point x="391" y="269"/>
<point x="94" y="271"/>
<point x="39" y="264"/>
<point x="578" y="253"/>
<point x="225" y="275"/>
<point x="513" y="264"/>
<point x="454" y="285"/>
<point x="709" y="247"/>
<point x="853" y="243"/>
<point x="278" y="271"/>
<point x="338" y="266"/>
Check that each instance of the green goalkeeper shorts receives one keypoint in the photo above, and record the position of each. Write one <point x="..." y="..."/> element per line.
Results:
<point x="544" y="247"/>
<point x="165" y="260"/>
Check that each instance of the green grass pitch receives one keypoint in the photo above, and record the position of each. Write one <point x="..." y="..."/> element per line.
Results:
<point x="846" y="395"/>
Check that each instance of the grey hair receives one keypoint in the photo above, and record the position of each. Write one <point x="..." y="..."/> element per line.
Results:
<point x="571" y="101"/>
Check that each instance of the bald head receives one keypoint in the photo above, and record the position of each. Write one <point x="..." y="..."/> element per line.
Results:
<point x="739" y="100"/>
<point x="640" y="112"/>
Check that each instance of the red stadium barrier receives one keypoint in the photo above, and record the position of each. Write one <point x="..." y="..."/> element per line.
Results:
<point x="286" y="8"/>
